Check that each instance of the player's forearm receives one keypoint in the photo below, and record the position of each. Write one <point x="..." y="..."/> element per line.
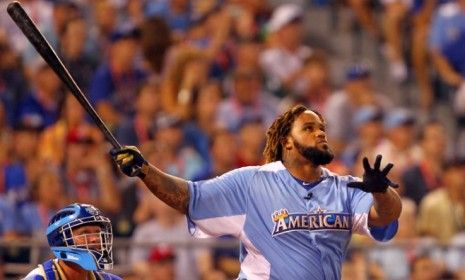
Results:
<point x="172" y="190"/>
<point x="387" y="208"/>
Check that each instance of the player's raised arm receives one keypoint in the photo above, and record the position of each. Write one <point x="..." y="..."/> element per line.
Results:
<point x="170" y="189"/>
<point x="387" y="204"/>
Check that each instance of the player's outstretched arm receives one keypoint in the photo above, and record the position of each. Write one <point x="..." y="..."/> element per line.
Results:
<point x="172" y="190"/>
<point x="387" y="206"/>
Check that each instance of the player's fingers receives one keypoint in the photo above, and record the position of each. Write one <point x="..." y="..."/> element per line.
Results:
<point x="392" y="184"/>
<point x="122" y="156"/>
<point x="127" y="159"/>
<point x="358" y="185"/>
<point x="377" y="164"/>
<point x="387" y="169"/>
<point x="366" y="164"/>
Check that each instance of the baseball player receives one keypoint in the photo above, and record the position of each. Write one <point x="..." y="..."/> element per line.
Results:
<point x="294" y="217"/>
<point x="81" y="239"/>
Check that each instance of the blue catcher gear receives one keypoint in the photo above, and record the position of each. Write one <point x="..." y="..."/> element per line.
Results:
<point x="91" y="251"/>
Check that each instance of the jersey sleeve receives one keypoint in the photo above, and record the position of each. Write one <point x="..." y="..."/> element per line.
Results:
<point x="218" y="206"/>
<point x="360" y="204"/>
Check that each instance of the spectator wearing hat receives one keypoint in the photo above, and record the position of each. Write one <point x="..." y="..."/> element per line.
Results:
<point x="24" y="166"/>
<point x="358" y="91"/>
<point x="282" y="62"/>
<point x="161" y="262"/>
<point x="87" y="174"/>
<point x="425" y="176"/>
<point x="368" y="122"/>
<point x="114" y="84"/>
<point x="399" y="146"/>
<point x="442" y="211"/>
<point x="53" y="140"/>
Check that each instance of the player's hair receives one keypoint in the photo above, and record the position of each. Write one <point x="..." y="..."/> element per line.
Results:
<point x="281" y="128"/>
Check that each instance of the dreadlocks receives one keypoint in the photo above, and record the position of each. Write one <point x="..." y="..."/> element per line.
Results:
<point x="278" y="130"/>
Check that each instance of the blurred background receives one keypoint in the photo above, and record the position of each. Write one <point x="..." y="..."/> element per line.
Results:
<point x="195" y="85"/>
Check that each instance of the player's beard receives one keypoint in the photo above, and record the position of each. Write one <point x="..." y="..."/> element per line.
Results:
<point x="315" y="155"/>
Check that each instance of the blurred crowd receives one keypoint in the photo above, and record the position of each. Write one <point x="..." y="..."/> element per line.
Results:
<point x="195" y="85"/>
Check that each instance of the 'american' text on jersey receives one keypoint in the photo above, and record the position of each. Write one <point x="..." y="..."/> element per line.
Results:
<point x="285" y="221"/>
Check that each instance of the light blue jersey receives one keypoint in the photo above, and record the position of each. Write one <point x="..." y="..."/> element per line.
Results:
<point x="285" y="233"/>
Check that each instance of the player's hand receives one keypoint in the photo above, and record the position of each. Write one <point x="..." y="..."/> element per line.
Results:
<point x="129" y="160"/>
<point x="374" y="179"/>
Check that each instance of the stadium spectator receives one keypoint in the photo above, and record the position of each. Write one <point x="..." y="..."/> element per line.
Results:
<point x="200" y="129"/>
<point x="425" y="175"/>
<point x="113" y="86"/>
<point x="155" y="40"/>
<point x="138" y="129"/>
<point x="13" y="82"/>
<point x="47" y="197"/>
<point x="171" y="225"/>
<point x="177" y="14"/>
<point x="282" y="62"/>
<point x="424" y="267"/>
<point x="185" y="76"/>
<point x="87" y="174"/>
<point x="42" y="105"/>
<point x="368" y="122"/>
<point x="358" y="91"/>
<point x="53" y="140"/>
<point x="23" y="167"/>
<point x="399" y="145"/>
<point x="161" y="263"/>
<point x="175" y="157"/>
<point x="317" y="82"/>
<point x="75" y="53"/>
<point x="442" y="211"/>
<point x="247" y="101"/>
<point x="447" y="37"/>
<point x="251" y="140"/>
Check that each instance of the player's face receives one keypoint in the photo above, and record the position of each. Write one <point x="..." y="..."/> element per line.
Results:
<point x="88" y="237"/>
<point x="308" y="136"/>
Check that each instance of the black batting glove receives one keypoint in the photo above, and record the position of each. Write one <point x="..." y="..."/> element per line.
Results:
<point x="374" y="179"/>
<point x="129" y="160"/>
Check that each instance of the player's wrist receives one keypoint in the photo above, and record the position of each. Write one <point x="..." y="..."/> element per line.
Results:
<point x="144" y="170"/>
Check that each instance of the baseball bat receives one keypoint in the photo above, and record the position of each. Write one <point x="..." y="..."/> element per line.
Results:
<point x="40" y="43"/>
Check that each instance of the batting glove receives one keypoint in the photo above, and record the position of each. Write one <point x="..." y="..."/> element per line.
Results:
<point x="129" y="160"/>
<point x="374" y="179"/>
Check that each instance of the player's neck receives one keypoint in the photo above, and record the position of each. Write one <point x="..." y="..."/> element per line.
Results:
<point x="304" y="172"/>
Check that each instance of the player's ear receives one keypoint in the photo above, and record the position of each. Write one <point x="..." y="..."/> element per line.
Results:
<point x="286" y="142"/>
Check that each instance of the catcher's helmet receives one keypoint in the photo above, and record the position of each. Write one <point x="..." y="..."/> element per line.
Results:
<point x="91" y="251"/>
